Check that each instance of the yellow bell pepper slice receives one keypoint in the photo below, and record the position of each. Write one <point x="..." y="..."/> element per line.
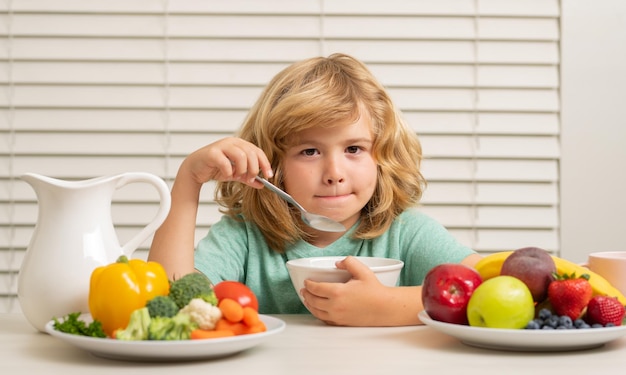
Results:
<point x="118" y="289"/>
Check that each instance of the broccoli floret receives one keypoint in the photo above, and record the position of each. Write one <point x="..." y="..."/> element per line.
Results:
<point x="162" y="306"/>
<point x="137" y="328"/>
<point x="190" y="286"/>
<point x="178" y="327"/>
<point x="204" y="314"/>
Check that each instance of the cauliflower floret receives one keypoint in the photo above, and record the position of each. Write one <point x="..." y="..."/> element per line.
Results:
<point x="203" y="313"/>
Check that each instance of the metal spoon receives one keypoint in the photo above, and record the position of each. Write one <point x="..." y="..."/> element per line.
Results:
<point x="315" y="221"/>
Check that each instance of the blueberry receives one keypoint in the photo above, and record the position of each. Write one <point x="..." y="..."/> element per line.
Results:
<point x="553" y="321"/>
<point x="566" y="321"/>
<point x="609" y="324"/>
<point x="578" y="323"/>
<point x="547" y="327"/>
<point x="533" y="325"/>
<point x="597" y="325"/>
<point x="544" y="314"/>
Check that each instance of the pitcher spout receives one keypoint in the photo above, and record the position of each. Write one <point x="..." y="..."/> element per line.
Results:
<point x="34" y="179"/>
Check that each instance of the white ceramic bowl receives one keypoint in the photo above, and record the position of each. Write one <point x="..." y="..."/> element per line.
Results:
<point x="323" y="269"/>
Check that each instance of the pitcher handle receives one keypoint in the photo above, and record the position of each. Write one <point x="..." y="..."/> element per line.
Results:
<point x="164" y="207"/>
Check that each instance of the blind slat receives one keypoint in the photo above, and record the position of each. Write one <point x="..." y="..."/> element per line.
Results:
<point x="244" y="97"/>
<point x="496" y="193"/>
<point x="437" y="122"/>
<point x="228" y="120"/>
<point x="82" y="167"/>
<point x="153" y="49"/>
<point x="233" y="74"/>
<point x="505" y="240"/>
<point x="465" y="99"/>
<point x="495" y="217"/>
<point x="538" y="8"/>
<point x="490" y="170"/>
<point x="122" y="120"/>
<point x="490" y="146"/>
<point x="486" y="7"/>
<point x="373" y="51"/>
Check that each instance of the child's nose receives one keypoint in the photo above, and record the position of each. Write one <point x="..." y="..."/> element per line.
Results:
<point x="334" y="172"/>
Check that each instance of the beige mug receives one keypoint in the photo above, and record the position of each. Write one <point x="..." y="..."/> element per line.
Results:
<point x="611" y="265"/>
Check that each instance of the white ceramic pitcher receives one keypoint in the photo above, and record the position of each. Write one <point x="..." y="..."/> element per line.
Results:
<point x="75" y="234"/>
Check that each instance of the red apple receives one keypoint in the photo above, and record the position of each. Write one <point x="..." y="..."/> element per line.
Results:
<point x="446" y="291"/>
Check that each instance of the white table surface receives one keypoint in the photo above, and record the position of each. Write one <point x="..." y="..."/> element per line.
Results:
<point x="307" y="346"/>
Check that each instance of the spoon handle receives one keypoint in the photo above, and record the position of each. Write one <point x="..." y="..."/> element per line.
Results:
<point x="280" y="192"/>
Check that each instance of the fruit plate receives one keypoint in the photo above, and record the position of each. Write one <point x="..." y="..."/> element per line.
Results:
<point x="161" y="351"/>
<point x="527" y="340"/>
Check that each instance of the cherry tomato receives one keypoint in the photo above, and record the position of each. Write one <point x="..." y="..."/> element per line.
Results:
<point x="237" y="291"/>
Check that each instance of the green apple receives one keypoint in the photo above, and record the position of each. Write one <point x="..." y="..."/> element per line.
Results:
<point x="501" y="302"/>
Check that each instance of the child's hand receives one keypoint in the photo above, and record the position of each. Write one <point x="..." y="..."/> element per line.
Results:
<point x="358" y="302"/>
<point x="229" y="159"/>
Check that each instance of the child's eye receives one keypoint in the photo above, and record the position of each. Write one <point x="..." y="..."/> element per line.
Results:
<point x="353" y="149"/>
<point x="309" y="152"/>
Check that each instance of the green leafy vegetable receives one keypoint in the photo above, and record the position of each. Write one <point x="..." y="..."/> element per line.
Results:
<point x="74" y="326"/>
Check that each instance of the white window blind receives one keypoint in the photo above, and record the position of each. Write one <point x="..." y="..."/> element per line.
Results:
<point x="108" y="86"/>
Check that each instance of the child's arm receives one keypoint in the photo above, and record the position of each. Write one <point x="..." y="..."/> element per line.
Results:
<point x="364" y="301"/>
<point x="174" y="242"/>
<point x="225" y="160"/>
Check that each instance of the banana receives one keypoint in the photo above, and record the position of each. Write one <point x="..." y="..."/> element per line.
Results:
<point x="491" y="265"/>
<point x="599" y="284"/>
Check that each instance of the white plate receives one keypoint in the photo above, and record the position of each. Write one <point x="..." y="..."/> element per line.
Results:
<point x="168" y="350"/>
<point x="525" y="339"/>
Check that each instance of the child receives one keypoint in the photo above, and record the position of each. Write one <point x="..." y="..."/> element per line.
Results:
<point x="326" y="131"/>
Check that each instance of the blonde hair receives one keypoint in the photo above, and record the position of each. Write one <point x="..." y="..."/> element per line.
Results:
<point x="325" y="92"/>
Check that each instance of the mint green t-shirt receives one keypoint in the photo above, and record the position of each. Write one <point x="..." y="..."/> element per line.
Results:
<point x="235" y="250"/>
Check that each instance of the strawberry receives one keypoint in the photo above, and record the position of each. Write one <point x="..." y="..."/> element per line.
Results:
<point x="603" y="310"/>
<point x="569" y="295"/>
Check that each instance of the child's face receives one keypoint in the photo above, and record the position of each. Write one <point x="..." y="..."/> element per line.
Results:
<point x="332" y="172"/>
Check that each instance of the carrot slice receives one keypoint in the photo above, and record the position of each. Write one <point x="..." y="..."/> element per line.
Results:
<point x="257" y="328"/>
<point x="231" y="310"/>
<point x="198" y="334"/>
<point x="250" y="316"/>
<point x="237" y="328"/>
